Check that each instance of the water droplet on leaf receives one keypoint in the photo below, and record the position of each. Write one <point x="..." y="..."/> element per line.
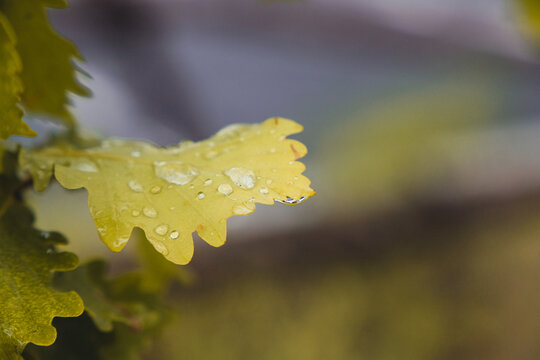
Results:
<point x="161" y="229"/>
<point x="291" y="201"/>
<point x="225" y="189"/>
<point x="241" y="177"/>
<point x="175" y="172"/>
<point x="150" y="212"/>
<point x="85" y="167"/>
<point x="135" y="186"/>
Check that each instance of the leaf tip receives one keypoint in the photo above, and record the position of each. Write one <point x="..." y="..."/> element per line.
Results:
<point x="286" y="126"/>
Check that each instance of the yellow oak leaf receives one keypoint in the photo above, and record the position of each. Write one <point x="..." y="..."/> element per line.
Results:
<point x="172" y="192"/>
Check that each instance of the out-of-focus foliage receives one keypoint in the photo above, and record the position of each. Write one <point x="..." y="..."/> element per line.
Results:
<point x="10" y="85"/>
<point x="156" y="273"/>
<point x="529" y="19"/>
<point x="88" y="280"/>
<point x="29" y="302"/>
<point x="123" y="314"/>
<point x="172" y="192"/>
<point x="28" y="257"/>
<point x="124" y="318"/>
<point x="48" y="73"/>
<point x="400" y="145"/>
<point x="148" y="307"/>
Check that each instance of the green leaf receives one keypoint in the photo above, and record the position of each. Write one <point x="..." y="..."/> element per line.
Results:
<point x="172" y="192"/>
<point x="78" y="339"/>
<point x="146" y="307"/>
<point x="28" y="301"/>
<point x="104" y="299"/>
<point x="89" y="282"/>
<point x="28" y="257"/>
<point x="124" y="340"/>
<point x="10" y="85"/>
<point x="48" y="73"/>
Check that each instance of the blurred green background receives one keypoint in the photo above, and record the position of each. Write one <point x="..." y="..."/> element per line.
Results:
<point x="423" y="124"/>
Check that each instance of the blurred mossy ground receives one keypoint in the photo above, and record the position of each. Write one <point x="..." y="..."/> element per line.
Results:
<point x="464" y="290"/>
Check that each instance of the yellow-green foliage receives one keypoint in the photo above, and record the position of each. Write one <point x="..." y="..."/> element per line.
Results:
<point x="10" y="85"/>
<point x="28" y="301"/>
<point x="48" y="74"/>
<point x="529" y="19"/>
<point x="123" y="318"/>
<point x="28" y="257"/>
<point x="88" y="281"/>
<point x="172" y="192"/>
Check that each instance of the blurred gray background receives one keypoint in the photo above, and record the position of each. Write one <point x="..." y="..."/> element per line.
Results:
<point x="422" y="121"/>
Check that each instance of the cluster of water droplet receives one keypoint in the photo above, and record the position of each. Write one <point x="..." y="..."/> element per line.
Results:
<point x="85" y="166"/>
<point x="180" y="174"/>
